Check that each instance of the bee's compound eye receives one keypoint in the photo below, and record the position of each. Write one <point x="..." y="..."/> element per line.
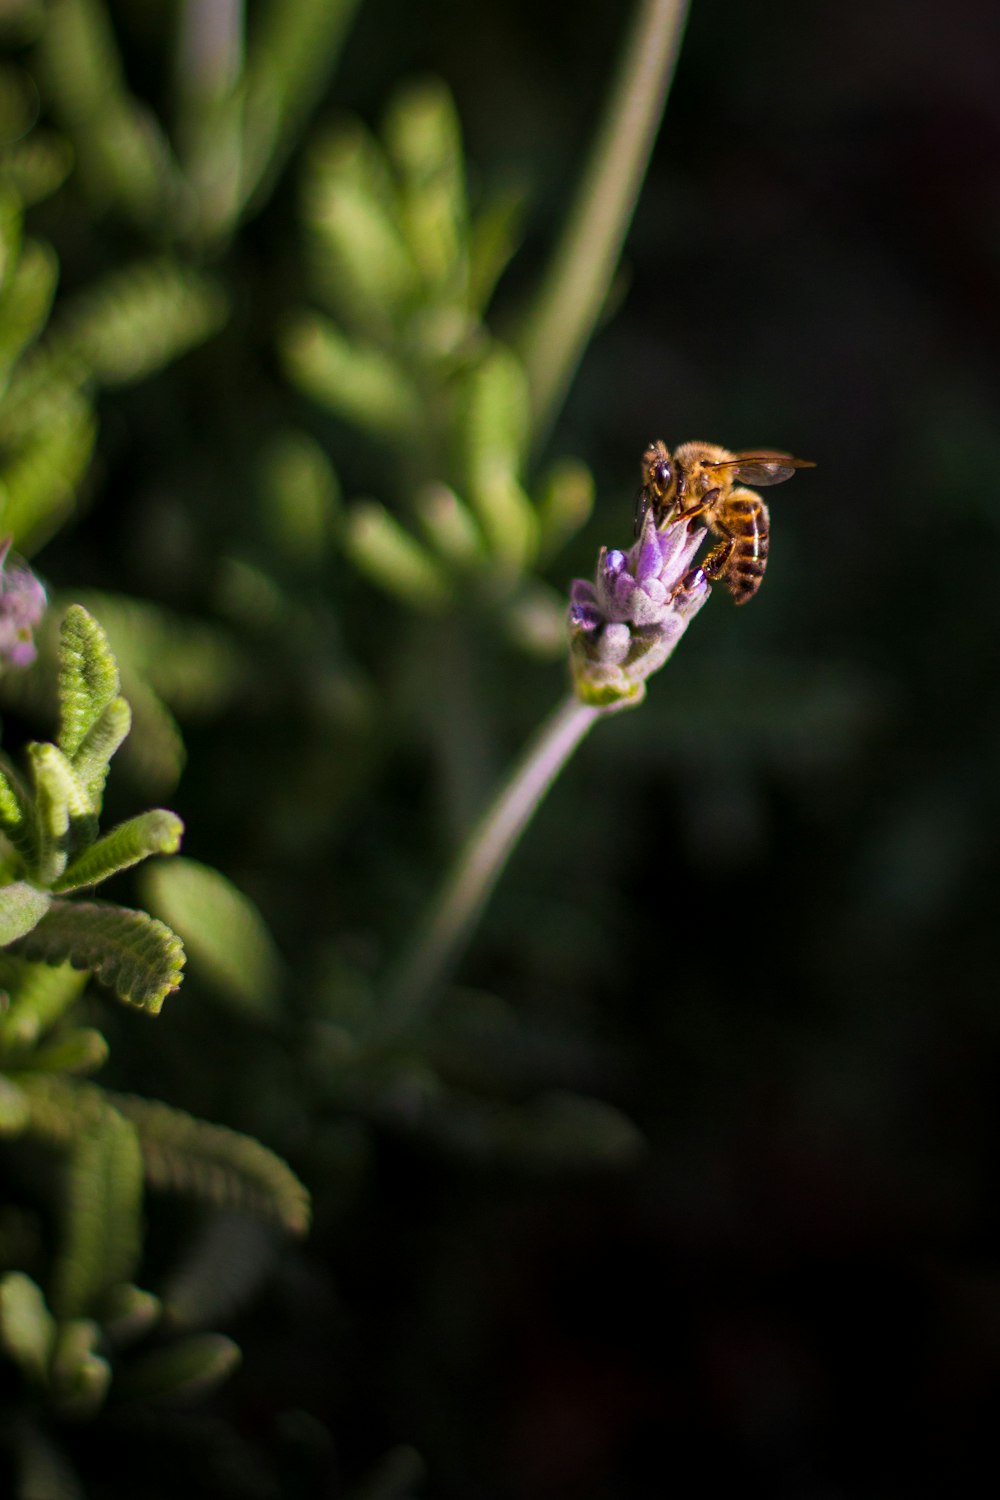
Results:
<point x="663" y="474"/>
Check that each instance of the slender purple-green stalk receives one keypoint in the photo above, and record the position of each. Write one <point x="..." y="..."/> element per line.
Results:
<point x="623" y="627"/>
<point x="585" y="257"/>
<point x="459" y="904"/>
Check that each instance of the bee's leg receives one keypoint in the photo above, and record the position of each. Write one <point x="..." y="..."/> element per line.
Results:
<point x="712" y="566"/>
<point x="643" y="501"/>
<point x="691" y="513"/>
<point x="715" y="563"/>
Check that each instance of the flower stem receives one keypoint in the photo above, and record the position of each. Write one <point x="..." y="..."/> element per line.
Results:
<point x="457" y="907"/>
<point x="584" y="260"/>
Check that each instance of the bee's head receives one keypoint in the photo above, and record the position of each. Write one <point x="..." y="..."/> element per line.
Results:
<point x="658" y="472"/>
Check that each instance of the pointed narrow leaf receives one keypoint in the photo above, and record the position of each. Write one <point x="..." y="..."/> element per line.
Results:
<point x="123" y="155"/>
<point x="493" y="239"/>
<point x="222" y="930"/>
<point x="17" y="820"/>
<point x="99" y="744"/>
<point x="139" y="319"/>
<point x="187" y="1369"/>
<point x="134" y="954"/>
<point x="27" y="1328"/>
<point x="361" y="261"/>
<point x="393" y="559"/>
<point x="424" y="138"/>
<point x="127" y="1312"/>
<point x="565" y="503"/>
<point x="15" y="1108"/>
<point x="26" y="305"/>
<point x="37" y="165"/>
<point x="300" y="497"/>
<point x="219" y="1165"/>
<point x="359" y="381"/>
<point x="494" y="434"/>
<point x="82" y="1050"/>
<point x="62" y="810"/>
<point x="88" y="677"/>
<point x="22" y="907"/>
<point x="450" y="527"/>
<point x="156" y="832"/>
<point x="80" y="1377"/>
<point x="38" y="483"/>
<point x="291" y="51"/>
<point x="496" y="416"/>
<point x="39" y="995"/>
<point x="103" y="1202"/>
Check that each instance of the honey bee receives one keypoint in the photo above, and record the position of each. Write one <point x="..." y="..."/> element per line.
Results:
<point x="699" y="480"/>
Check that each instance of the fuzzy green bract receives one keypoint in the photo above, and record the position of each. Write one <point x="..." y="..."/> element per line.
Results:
<point x="50" y="819"/>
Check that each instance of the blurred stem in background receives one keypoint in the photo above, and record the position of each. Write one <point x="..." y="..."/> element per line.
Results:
<point x="461" y="900"/>
<point x="583" y="262"/>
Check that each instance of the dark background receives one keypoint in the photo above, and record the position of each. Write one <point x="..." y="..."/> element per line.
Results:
<point x="759" y="915"/>
<point x="773" y="891"/>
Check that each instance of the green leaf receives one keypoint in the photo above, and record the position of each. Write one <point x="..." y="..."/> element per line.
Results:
<point x="291" y="50"/>
<point x="80" y="1377"/>
<point x="300" y="498"/>
<point x="27" y="1328"/>
<point x="450" y="527"/>
<point x="15" y="1108"/>
<point x="425" y="142"/>
<point x="88" y="678"/>
<point x="222" y="931"/>
<point x="39" y="996"/>
<point x="35" y="167"/>
<point x="358" y="381"/>
<point x="156" y="832"/>
<point x="11" y="229"/>
<point x="565" y="504"/>
<point x="81" y="1050"/>
<point x="393" y="559"/>
<point x="128" y="1312"/>
<point x="494" y="426"/>
<point x="102" y="1231"/>
<point x="496" y="416"/>
<point x="64" y="814"/>
<point x="22" y="907"/>
<point x="93" y="758"/>
<point x="220" y="1166"/>
<point x="38" y="484"/>
<point x="140" y="319"/>
<point x="360" y="260"/>
<point x="184" y="1370"/>
<point x="123" y="155"/>
<point x="27" y="301"/>
<point x="17" y="819"/>
<point x="493" y="240"/>
<point x="139" y="958"/>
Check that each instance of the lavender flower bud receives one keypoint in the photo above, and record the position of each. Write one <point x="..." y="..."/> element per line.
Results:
<point x="625" y="624"/>
<point x="22" y="604"/>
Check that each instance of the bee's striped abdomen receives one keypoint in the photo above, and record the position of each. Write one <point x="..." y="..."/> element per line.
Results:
<point x="747" y="522"/>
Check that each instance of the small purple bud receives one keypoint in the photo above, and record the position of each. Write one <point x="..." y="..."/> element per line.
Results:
<point x="22" y="605"/>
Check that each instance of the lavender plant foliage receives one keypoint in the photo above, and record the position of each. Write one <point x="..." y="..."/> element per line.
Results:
<point x="626" y="624"/>
<point x="22" y="605"/>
